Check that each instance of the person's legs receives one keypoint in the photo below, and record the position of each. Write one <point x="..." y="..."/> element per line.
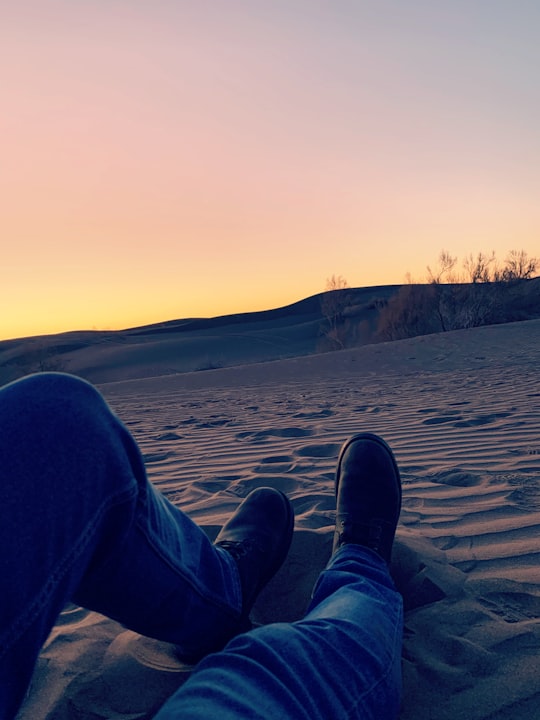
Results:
<point x="80" y="521"/>
<point x="343" y="660"/>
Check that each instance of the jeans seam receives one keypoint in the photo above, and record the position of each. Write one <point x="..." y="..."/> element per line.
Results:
<point x="25" y="619"/>
<point x="189" y="579"/>
<point x="352" y="711"/>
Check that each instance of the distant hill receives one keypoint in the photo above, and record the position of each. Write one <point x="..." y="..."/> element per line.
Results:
<point x="322" y="322"/>
<point x="191" y="344"/>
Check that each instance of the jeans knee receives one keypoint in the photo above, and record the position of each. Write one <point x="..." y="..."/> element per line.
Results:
<point x="52" y="384"/>
<point x="57" y="430"/>
<point x="49" y="392"/>
<point x="53" y="408"/>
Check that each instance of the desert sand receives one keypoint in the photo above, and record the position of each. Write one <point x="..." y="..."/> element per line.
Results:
<point x="461" y="410"/>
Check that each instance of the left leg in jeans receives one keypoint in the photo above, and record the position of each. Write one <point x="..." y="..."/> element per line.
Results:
<point x="79" y="520"/>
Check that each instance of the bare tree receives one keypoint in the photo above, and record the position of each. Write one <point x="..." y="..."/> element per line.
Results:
<point x="442" y="297"/>
<point x="334" y="302"/>
<point x="519" y="266"/>
<point x="485" y="294"/>
<point x="443" y="273"/>
<point x="479" y="269"/>
<point x="412" y="311"/>
<point x="336" y="283"/>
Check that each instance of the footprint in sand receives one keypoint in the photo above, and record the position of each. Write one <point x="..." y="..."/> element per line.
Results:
<point x="169" y="436"/>
<point x="456" y="478"/>
<point x="441" y="420"/>
<point x="512" y="607"/>
<point x="212" y="423"/>
<point x="156" y="457"/>
<point x="526" y="492"/>
<point x="277" y="459"/>
<point x="319" y="450"/>
<point x="273" y="464"/>
<point x="287" y="432"/>
<point x="482" y="419"/>
<point x="215" y="484"/>
<point x="315" y="414"/>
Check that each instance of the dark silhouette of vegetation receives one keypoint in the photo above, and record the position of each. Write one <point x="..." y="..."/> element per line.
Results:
<point x="485" y="293"/>
<point x="335" y="301"/>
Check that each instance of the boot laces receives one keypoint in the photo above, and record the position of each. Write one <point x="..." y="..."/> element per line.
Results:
<point x="237" y="548"/>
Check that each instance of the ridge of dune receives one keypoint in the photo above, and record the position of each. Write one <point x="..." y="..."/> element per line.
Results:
<point x="186" y="345"/>
<point x="499" y="346"/>
<point x="201" y="344"/>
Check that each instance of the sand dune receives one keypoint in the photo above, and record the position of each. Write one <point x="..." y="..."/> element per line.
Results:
<point x="461" y="411"/>
<point x="188" y="345"/>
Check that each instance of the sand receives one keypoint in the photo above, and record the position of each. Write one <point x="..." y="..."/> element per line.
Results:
<point x="462" y="413"/>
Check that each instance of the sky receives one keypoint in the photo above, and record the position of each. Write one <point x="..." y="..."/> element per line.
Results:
<point x="166" y="159"/>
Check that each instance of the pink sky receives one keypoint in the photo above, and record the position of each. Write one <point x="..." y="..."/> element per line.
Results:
<point x="173" y="159"/>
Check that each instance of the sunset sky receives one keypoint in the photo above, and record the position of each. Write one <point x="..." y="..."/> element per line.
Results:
<point x="178" y="158"/>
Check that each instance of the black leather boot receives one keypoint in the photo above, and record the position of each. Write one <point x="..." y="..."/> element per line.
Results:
<point x="368" y="495"/>
<point x="258" y="536"/>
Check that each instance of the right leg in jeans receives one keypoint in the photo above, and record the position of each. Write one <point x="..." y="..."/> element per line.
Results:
<point x="342" y="661"/>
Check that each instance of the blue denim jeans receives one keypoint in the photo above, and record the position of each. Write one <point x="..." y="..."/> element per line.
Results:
<point x="80" y="521"/>
<point x="343" y="660"/>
